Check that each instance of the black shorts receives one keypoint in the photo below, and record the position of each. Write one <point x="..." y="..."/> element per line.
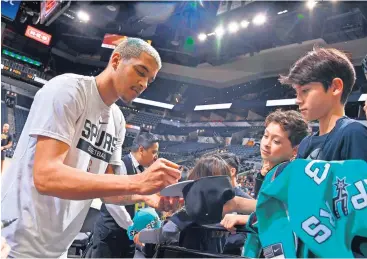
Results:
<point x="2" y="155"/>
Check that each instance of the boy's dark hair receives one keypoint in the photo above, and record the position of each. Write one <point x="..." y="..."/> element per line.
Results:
<point x="322" y="65"/>
<point x="291" y="122"/>
<point x="231" y="159"/>
<point x="144" y="139"/>
<point x="212" y="165"/>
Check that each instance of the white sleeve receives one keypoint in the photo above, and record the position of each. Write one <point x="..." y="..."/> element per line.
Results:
<point x="56" y="109"/>
<point x="117" y="153"/>
<point x="120" y="215"/>
<point x="120" y="170"/>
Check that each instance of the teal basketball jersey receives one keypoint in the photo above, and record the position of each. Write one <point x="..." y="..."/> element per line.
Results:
<point x="312" y="209"/>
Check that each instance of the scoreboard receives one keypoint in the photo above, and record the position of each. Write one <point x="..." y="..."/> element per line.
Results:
<point x="51" y="9"/>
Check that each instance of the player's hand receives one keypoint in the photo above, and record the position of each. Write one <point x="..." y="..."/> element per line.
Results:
<point x="231" y="220"/>
<point x="5" y="248"/>
<point x="157" y="176"/>
<point x="162" y="203"/>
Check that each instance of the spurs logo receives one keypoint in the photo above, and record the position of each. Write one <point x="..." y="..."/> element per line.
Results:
<point x="341" y="197"/>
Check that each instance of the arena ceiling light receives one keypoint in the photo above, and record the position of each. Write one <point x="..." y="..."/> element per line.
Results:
<point x="219" y="106"/>
<point x="259" y="19"/>
<point x="283" y="12"/>
<point x="311" y="4"/>
<point x="202" y="36"/>
<point x="111" y="8"/>
<point x="83" y="16"/>
<point x="244" y="24"/>
<point x="281" y="102"/>
<point x="40" y="80"/>
<point x="362" y="98"/>
<point x="219" y="31"/>
<point x="153" y="103"/>
<point x="233" y="27"/>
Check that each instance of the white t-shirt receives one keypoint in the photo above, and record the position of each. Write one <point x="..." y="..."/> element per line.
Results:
<point x="68" y="108"/>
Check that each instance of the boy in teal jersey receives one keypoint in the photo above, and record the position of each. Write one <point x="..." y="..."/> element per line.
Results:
<point x="283" y="133"/>
<point x="329" y="223"/>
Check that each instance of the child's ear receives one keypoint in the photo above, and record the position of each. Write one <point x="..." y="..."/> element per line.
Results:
<point x="337" y="86"/>
<point x="233" y="172"/>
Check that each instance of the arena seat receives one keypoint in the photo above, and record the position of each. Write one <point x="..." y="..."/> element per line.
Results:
<point x="165" y="129"/>
<point x="243" y="151"/>
<point x="20" y="117"/>
<point x="81" y="241"/>
<point x="143" y="118"/>
<point x="128" y="113"/>
<point x="4" y="113"/>
<point x="190" y="147"/>
<point x="125" y="112"/>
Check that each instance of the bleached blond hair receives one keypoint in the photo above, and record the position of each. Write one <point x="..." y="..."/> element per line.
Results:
<point x="133" y="47"/>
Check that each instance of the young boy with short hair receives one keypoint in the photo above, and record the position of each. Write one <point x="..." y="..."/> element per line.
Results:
<point x="323" y="80"/>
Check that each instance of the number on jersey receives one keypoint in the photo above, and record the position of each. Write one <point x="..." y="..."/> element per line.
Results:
<point x="314" y="228"/>
<point x="314" y="173"/>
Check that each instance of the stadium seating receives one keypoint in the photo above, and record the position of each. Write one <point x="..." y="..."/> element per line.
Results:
<point x="164" y="129"/>
<point x="163" y="145"/>
<point x="244" y="151"/>
<point x="190" y="147"/>
<point x="175" y="151"/>
<point x="170" y="156"/>
<point x="125" y="112"/>
<point x="128" y="142"/>
<point x="161" y="90"/>
<point x="143" y="118"/>
<point x="128" y="113"/>
<point x="20" y="117"/>
<point x="22" y="67"/>
<point x="4" y="114"/>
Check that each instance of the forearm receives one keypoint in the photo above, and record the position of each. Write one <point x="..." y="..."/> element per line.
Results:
<point x="240" y="205"/>
<point x="242" y="219"/>
<point x="65" y="182"/>
<point x="120" y="199"/>
<point x="7" y="146"/>
<point x="124" y="199"/>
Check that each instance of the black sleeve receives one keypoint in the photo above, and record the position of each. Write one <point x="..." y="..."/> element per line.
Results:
<point x="10" y="138"/>
<point x="258" y="183"/>
<point x="240" y="193"/>
<point x="301" y="153"/>
<point x="354" y="144"/>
